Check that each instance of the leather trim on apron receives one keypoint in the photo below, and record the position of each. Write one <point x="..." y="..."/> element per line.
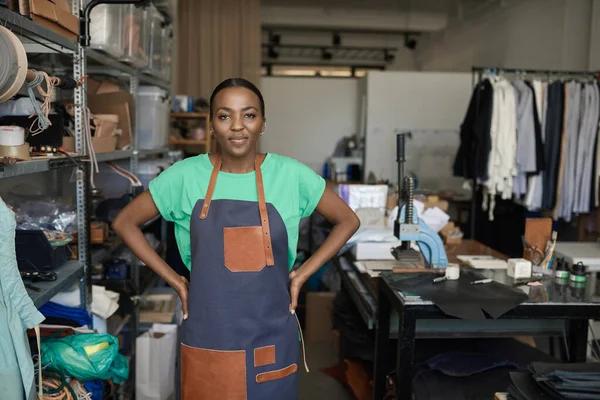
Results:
<point x="274" y="375"/>
<point x="208" y="369"/>
<point x="264" y="356"/>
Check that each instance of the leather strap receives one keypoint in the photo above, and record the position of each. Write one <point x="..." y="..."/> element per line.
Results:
<point x="264" y="215"/>
<point x="262" y="205"/>
<point x="211" y="188"/>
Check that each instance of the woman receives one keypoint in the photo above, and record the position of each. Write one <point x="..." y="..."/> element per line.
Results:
<point x="236" y="215"/>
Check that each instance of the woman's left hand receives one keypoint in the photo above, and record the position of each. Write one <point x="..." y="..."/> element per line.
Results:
<point x="296" y="282"/>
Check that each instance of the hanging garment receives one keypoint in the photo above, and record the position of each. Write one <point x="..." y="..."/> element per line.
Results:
<point x="475" y="141"/>
<point x="502" y="163"/>
<point x="566" y="184"/>
<point x="240" y="340"/>
<point x="533" y="199"/>
<point x="539" y="142"/>
<point x="17" y="314"/>
<point x="552" y="144"/>
<point x="585" y="154"/>
<point x="526" y="137"/>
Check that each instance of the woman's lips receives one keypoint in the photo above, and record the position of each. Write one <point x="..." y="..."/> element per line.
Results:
<point x="238" y="141"/>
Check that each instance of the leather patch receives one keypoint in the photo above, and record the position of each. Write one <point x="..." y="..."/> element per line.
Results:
<point x="274" y="375"/>
<point x="244" y="249"/>
<point x="212" y="374"/>
<point x="264" y="356"/>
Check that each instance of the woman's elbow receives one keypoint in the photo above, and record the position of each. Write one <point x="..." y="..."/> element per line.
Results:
<point x="353" y="222"/>
<point x="120" y="224"/>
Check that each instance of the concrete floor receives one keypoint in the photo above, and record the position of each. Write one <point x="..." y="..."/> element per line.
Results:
<point x="315" y="385"/>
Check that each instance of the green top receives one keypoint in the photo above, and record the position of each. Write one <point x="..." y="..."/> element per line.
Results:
<point x="290" y="186"/>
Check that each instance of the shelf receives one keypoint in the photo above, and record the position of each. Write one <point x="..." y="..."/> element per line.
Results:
<point x="189" y="115"/>
<point x="192" y="142"/>
<point x="24" y="27"/>
<point x="43" y="164"/>
<point x="108" y="61"/>
<point x="66" y="274"/>
<point x="114" y="155"/>
<point x="147" y="153"/>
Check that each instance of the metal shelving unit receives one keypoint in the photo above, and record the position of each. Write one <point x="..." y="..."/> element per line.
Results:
<point x="37" y="166"/>
<point x="66" y="275"/>
<point x="26" y="28"/>
<point x="33" y="36"/>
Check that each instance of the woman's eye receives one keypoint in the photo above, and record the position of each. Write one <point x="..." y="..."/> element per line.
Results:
<point x="250" y="116"/>
<point x="223" y="116"/>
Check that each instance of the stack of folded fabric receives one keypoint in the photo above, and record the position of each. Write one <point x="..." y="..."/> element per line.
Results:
<point x="556" y="381"/>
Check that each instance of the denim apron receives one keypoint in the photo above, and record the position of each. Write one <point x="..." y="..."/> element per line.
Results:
<point x="240" y="341"/>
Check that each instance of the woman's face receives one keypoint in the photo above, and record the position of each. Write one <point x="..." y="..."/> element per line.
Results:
<point x="237" y="120"/>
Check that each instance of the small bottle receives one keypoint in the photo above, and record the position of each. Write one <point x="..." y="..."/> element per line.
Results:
<point x="578" y="273"/>
<point x="561" y="272"/>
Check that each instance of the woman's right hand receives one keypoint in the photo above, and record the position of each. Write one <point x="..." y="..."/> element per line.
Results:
<point x="181" y="287"/>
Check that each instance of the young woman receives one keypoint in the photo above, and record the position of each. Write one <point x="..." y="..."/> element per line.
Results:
<point x="236" y="218"/>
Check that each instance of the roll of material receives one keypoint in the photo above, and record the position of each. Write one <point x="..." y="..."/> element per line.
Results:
<point x="13" y="64"/>
<point x="17" y="152"/>
<point x="12" y="136"/>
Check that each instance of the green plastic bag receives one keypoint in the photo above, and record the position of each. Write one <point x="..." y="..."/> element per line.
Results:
<point x="85" y="357"/>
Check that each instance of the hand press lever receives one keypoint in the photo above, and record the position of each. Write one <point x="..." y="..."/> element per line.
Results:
<point x="408" y="227"/>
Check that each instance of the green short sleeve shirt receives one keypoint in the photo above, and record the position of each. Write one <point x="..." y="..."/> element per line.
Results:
<point x="290" y="186"/>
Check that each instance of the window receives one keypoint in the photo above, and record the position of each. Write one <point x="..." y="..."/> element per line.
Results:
<point x="316" y="70"/>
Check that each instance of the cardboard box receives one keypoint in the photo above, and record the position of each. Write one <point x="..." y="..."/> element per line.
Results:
<point x="319" y="324"/>
<point x="101" y="145"/>
<point x="158" y="308"/>
<point x="54" y="15"/>
<point x="118" y="103"/>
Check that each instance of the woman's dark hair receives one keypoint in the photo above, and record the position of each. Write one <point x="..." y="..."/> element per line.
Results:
<point x="237" y="82"/>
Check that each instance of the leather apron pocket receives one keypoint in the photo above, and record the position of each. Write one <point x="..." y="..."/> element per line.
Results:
<point x="244" y="248"/>
<point x="212" y="374"/>
<point x="278" y="374"/>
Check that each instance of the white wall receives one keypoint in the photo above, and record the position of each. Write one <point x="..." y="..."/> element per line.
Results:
<point x="532" y="34"/>
<point x="307" y="116"/>
<point x="417" y="101"/>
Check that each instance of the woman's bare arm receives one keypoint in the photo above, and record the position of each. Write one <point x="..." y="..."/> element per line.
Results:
<point x="345" y="224"/>
<point x="127" y="225"/>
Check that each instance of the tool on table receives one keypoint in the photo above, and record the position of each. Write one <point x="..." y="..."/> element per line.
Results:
<point x="408" y="227"/>
<point x="525" y="281"/>
<point x="452" y="274"/>
<point x="482" y="281"/>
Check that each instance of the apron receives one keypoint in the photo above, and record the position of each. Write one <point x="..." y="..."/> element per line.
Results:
<point x="240" y="341"/>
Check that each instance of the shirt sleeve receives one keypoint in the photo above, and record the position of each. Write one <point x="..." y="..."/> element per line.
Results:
<point x="311" y="187"/>
<point x="166" y="191"/>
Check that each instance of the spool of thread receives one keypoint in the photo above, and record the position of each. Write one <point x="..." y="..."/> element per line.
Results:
<point x="452" y="272"/>
<point x="561" y="272"/>
<point x="12" y="136"/>
<point x="578" y="273"/>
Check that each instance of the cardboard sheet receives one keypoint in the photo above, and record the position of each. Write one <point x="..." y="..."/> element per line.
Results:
<point x="460" y="298"/>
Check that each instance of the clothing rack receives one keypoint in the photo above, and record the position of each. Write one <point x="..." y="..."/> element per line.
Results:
<point x="478" y="74"/>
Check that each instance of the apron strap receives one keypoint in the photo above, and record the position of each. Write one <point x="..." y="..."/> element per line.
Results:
<point x="264" y="215"/>
<point x="211" y="187"/>
<point x="262" y="205"/>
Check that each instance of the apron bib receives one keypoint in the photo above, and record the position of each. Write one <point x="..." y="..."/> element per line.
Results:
<point x="240" y="341"/>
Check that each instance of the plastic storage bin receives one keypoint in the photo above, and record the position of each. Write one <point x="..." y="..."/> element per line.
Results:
<point x="155" y="40"/>
<point x="153" y="109"/>
<point x="106" y="29"/>
<point x="167" y="37"/>
<point x="135" y="33"/>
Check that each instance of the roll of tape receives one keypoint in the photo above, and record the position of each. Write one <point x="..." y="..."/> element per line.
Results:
<point x="12" y="136"/>
<point x="13" y="64"/>
<point x="452" y="272"/>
